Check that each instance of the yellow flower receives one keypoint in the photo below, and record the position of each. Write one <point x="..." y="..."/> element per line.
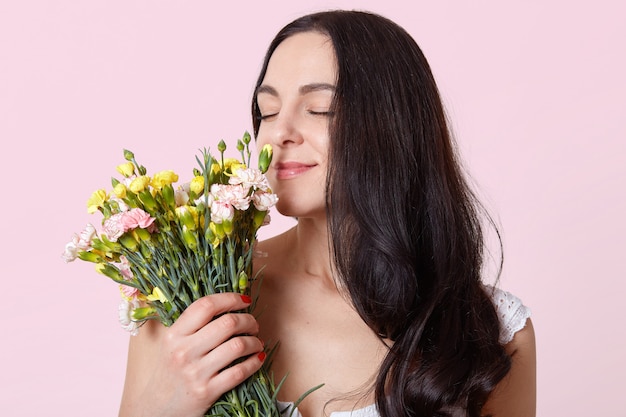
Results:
<point x="163" y="178"/>
<point x="96" y="201"/>
<point x="120" y="190"/>
<point x="215" y="168"/>
<point x="126" y="169"/>
<point x="232" y="164"/>
<point x="139" y="184"/>
<point x="157" y="294"/>
<point x="197" y="185"/>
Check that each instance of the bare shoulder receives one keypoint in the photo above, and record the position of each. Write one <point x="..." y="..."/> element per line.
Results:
<point x="515" y="395"/>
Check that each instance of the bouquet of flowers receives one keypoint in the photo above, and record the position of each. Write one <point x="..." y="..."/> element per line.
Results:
<point x="169" y="245"/>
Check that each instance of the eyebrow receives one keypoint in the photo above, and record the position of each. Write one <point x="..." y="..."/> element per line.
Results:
<point x="305" y="89"/>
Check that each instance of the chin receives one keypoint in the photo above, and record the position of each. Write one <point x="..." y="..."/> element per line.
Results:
<point x="299" y="209"/>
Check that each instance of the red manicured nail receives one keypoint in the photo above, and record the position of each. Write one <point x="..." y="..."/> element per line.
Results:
<point x="246" y="299"/>
<point x="261" y="356"/>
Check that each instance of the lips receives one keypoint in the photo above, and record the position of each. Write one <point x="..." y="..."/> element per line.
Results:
<point x="289" y="169"/>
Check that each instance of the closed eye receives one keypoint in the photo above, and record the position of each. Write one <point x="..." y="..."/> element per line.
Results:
<point x="267" y="116"/>
<point x="321" y="113"/>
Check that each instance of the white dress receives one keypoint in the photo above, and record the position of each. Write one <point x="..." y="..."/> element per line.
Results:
<point x="513" y="315"/>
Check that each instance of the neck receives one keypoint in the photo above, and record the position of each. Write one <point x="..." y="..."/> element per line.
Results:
<point x="310" y="248"/>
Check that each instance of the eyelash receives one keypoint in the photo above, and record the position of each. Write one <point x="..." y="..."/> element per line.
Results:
<point x="311" y="112"/>
<point x="321" y="113"/>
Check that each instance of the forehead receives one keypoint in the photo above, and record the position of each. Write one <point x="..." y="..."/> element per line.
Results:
<point x="301" y="59"/>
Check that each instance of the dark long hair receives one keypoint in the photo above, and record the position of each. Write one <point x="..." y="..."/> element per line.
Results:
<point x="405" y="228"/>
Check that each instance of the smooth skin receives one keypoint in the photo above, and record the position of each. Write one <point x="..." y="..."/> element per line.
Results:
<point x="176" y="371"/>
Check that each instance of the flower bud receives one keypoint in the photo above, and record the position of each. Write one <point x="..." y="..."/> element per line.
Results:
<point x="259" y="217"/>
<point x="186" y="217"/>
<point x="169" y="196"/>
<point x="246" y="138"/>
<point x="148" y="201"/>
<point x="218" y="230"/>
<point x="190" y="238"/>
<point x="128" y="241"/>
<point x="221" y="146"/>
<point x="109" y="271"/>
<point x="106" y="247"/>
<point x="143" y="313"/>
<point x="228" y="227"/>
<point x="142" y="234"/>
<point x="128" y="155"/>
<point x="211" y="237"/>
<point x="265" y="158"/>
<point x="243" y="282"/>
<point x="90" y="257"/>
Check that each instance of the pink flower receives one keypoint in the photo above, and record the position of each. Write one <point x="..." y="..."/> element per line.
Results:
<point x="221" y="211"/>
<point x="129" y="292"/>
<point x="263" y="201"/>
<point x="124" y="268"/>
<point x="113" y="227"/>
<point x="235" y="195"/>
<point x="135" y="218"/>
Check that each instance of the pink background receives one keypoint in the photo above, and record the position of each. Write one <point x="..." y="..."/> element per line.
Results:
<point x="535" y="91"/>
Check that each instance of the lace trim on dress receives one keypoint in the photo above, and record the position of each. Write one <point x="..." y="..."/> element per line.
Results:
<point x="511" y="312"/>
<point x="368" y="411"/>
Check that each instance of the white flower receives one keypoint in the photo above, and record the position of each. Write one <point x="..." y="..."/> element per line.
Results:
<point x="70" y="253"/>
<point x="125" y="314"/>
<point x="181" y="195"/>
<point x="80" y="242"/>
<point x="249" y="177"/>
<point x="263" y="201"/>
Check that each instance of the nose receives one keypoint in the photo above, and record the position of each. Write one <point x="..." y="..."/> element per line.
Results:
<point x="284" y="130"/>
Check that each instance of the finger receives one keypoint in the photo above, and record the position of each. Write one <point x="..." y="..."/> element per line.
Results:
<point x="202" y="311"/>
<point x="221" y="330"/>
<point x="230" y="352"/>
<point x="234" y="375"/>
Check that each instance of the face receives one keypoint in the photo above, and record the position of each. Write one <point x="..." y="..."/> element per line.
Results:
<point x="294" y="99"/>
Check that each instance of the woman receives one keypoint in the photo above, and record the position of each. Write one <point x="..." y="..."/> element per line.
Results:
<point x="377" y="291"/>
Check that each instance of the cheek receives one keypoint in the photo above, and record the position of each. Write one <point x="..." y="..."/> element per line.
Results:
<point x="262" y="137"/>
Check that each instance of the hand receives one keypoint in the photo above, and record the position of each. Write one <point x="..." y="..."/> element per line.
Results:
<point x="184" y="369"/>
